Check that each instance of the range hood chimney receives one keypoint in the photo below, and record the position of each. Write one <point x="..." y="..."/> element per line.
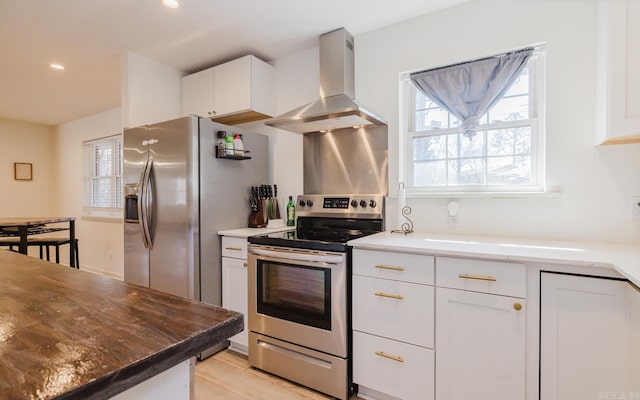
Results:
<point x="336" y="108"/>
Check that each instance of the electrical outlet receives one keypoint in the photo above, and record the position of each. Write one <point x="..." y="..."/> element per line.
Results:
<point x="635" y="208"/>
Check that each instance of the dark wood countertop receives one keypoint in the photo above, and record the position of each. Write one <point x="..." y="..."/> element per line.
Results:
<point x="66" y="333"/>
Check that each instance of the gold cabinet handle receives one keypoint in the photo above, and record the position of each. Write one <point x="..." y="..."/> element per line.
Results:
<point x="244" y="264"/>
<point x="391" y="267"/>
<point x="517" y="306"/>
<point x="233" y="248"/>
<point x="477" y="277"/>
<point x="391" y="296"/>
<point x="389" y="356"/>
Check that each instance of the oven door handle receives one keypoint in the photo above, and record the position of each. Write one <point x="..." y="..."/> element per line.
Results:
<point x="293" y="256"/>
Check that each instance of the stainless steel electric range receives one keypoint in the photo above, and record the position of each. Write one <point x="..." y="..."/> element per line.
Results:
<point x="300" y="291"/>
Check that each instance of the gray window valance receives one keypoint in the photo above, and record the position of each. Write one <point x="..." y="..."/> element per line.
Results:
<point x="468" y="90"/>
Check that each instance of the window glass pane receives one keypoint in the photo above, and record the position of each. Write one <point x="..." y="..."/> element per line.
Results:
<point x="509" y="141"/>
<point x="429" y="147"/>
<point x="521" y="85"/>
<point x="102" y="192"/>
<point x="510" y="109"/>
<point x="461" y="146"/>
<point x="430" y="173"/>
<point x="469" y="171"/>
<point x="514" y="170"/>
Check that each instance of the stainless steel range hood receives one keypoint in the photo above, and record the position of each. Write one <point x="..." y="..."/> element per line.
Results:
<point x="336" y="108"/>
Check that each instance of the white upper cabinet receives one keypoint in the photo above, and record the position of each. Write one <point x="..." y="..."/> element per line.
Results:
<point x="618" y="72"/>
<point x="238" y="91"/>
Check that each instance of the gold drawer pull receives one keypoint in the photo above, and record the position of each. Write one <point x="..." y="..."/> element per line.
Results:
<point x="391" y="267"/>
<point x="391" y="296"/>
<point x="480" y="278"/>
<point x="245" y="264"/>
<point x="517" y="306"/>
<point x="233" y="248"/>
<point x="389" y="356"/>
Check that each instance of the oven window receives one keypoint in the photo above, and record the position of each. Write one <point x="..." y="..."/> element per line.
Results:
<point x="295" y="293"/>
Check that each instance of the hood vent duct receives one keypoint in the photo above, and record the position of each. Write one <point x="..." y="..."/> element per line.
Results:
<point x="336" y="108"/>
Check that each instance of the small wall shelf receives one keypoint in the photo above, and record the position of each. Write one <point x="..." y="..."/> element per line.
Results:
<point x="233" y="156"/>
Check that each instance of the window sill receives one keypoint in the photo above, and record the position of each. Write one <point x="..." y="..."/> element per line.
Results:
<point x="485" y="195"/>
<point x="113" y="215"/>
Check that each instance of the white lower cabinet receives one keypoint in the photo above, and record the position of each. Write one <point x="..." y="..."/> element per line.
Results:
<point x="586" y="347"/>
<point x="234" y="286"/>
<point x="480" y="346"/>
<point x="633" y="301"/>
<point x="393" y="316"/>
<point x="394" y="368"/>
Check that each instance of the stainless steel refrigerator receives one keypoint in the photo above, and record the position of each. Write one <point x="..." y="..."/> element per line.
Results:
<point x="178" y="195"/>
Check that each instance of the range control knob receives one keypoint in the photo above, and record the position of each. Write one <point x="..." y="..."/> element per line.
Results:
<point x="363" y="203"/>
<point x="310" y="203"/>
<point x="354" y="203"/>
<point x="372" y="204"/>
<point x="302" y="203"/>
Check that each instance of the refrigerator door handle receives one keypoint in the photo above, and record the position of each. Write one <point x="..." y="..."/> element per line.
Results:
<point x="147" y="208"/>
<point x="141" y="196"/>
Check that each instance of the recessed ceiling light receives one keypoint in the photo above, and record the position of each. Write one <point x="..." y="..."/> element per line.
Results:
<point x="171" y="3"/>
<point x="57" y="67"/>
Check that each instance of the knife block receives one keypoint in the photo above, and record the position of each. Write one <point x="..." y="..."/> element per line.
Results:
<point x="258" y="219"/>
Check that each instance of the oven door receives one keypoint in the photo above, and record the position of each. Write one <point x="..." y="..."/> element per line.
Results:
<point x="299" y="296"/>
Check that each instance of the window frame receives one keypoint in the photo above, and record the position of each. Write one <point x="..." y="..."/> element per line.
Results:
<point x="407" y="131"/>
<point x="115" y="209"/>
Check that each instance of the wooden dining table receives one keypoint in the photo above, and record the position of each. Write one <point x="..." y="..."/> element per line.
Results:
<point x="23" y="227"/>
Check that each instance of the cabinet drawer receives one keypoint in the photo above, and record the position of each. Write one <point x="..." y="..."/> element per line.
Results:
<point x="495" y="277"/>
<point x="414" y="268"/>
<point x="234" y="247"/>
<point x="395" y="310"/>
<point x="393" y="368"/>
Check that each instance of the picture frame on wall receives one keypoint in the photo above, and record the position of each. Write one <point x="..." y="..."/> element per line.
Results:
<point x="22" y="171"/>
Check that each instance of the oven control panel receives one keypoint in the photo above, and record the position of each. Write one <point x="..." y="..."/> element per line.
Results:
<point x="349" y="206"/>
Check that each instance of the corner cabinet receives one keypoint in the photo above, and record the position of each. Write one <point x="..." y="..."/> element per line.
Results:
<point x="589" y="338"/>
<point x="618" y="72"/>
<point x="234" y="285"/>
<point x="480" y="329"/>
<point x="238" y="91"/>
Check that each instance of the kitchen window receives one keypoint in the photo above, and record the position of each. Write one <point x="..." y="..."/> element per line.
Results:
<point x="103" y="176"/>
<point x="503" y="153"/>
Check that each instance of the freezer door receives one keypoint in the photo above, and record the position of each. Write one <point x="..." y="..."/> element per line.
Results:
<point x="173" y="207"/>
<point x="136" y="254"/>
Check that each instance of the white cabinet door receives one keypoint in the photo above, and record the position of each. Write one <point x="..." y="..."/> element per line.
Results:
<point x="618" y="80"/>
<point x="480" y="346"/>
<point x="583" y="337"/>
<point x="232" y="86"/>
<point x="197" y="93"/>
<point x="394" y="310"/>
<point x="633" y="297"/>
<point x="394" y="368"/>
<point x="234" y="296"/>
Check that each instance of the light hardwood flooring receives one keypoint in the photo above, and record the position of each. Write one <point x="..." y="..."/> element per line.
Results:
<point x="228" y="376"/>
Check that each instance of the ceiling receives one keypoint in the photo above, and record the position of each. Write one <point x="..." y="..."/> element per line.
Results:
<point x="88" y="36"/>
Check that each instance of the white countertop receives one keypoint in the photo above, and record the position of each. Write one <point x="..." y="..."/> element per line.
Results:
<point x="246" y="232"/>
<point x="625" y="259"/>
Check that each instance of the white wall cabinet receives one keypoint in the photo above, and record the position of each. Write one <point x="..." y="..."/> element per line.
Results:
<point x="480" y="329"/>
<point x="234" y="285"/>
<point x="618" y="72"/>
<point x="584" y="337"/>
<point x="237" y="91"/>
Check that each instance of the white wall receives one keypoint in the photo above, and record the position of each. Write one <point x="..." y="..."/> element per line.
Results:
<point x="595" y="182"/>
<point x="100" y="241"/>
<point x="26" y="143"/>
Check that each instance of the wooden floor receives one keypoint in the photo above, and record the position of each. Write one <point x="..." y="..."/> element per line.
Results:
<point x="228" y="376"/>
